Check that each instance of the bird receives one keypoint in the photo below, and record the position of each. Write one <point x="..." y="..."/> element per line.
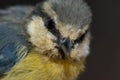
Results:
<point x="49" y="41"/>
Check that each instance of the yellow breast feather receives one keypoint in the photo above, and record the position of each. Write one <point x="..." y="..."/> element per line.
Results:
<point x="39" y="67"/>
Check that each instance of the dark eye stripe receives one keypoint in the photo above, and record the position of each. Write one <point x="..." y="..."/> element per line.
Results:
<point x="81" y="38"/>
<point x="49" y="23"/>
<point x="51" y="26"/>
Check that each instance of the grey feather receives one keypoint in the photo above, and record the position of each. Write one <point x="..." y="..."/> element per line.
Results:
<point x="75" y="12"/>
<point x="15" y="13"/>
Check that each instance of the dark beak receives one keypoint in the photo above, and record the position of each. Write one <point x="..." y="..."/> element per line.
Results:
<point x="66" y="45"/>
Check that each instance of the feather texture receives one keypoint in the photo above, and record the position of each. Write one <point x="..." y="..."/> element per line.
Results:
<point x="39" y="67"/>
<point x="45" y="61"/>
<point x="15" y="13"/>
<point x="13" y="45"/>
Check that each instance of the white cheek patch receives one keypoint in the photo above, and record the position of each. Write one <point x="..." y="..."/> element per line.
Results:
<point x="81" y="49"/>
<point x="37" y="31"/>
<point x="85" y="50"/>
<point x="36" y="26"/>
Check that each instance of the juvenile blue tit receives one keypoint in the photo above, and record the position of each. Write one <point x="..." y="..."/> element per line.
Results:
<point x="47" y="42"/>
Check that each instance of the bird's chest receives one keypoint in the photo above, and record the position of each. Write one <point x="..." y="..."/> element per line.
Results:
<point x="36" y="67"/>
<point x="61" y="70"/>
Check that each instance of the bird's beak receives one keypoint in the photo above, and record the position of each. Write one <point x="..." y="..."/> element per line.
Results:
<point x="66" y="45"/>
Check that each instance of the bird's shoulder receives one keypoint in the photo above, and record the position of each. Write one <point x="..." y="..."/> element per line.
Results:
<point x="13" y="45"/>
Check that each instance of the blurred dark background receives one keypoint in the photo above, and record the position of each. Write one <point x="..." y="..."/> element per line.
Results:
<point x="104" y="61"/>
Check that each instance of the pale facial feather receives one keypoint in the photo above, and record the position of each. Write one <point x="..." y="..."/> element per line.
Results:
<point x="42" y="39"/>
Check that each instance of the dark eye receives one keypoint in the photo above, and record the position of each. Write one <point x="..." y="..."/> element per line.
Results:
<point x="81" y="37"/>
<point x="50" y="24"/>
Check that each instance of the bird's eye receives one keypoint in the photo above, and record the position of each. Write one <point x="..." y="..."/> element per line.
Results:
<point x="50" y="24"/>
<point x="81" y="37"/>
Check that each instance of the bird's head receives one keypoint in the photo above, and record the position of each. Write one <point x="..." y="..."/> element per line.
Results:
<point x="59" y="28"/>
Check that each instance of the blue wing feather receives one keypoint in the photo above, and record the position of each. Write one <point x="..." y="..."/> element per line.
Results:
<point x="13" y="45"/>
<point x="8" y="57"/>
